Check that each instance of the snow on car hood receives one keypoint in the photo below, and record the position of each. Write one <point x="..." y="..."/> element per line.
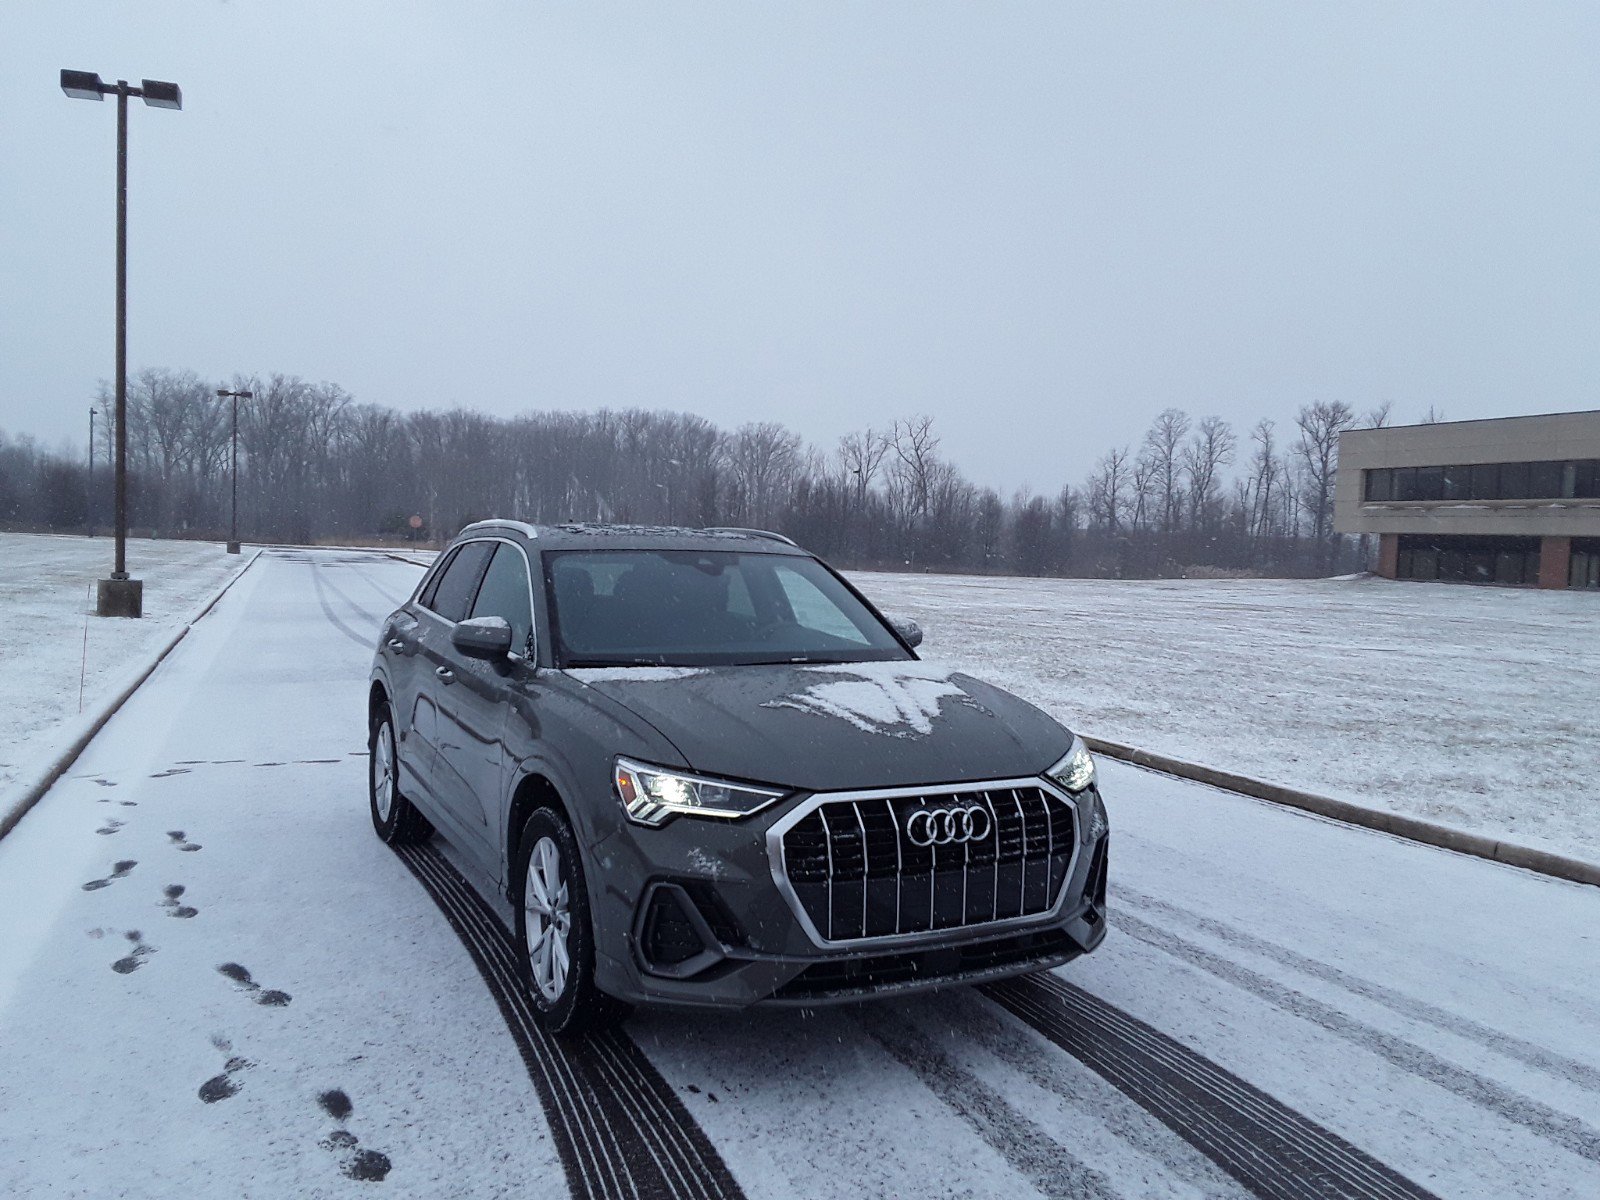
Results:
<point x="837" y="727"/>
<point x="896" y="699"/>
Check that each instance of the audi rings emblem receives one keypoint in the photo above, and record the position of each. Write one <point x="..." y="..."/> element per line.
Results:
<point x="949" y="826"/>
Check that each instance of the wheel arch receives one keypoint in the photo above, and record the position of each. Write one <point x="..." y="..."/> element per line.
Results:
<point x="377" y="697"/>
<point x="534" y="791"/>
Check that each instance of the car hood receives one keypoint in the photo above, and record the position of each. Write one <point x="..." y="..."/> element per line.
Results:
<point x="838" y="727"/>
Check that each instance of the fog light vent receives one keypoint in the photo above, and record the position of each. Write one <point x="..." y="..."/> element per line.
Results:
<point x="670" y="937"/>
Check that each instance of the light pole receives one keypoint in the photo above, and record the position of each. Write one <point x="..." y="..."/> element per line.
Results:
<point x="233" y="524"/>
<point x="89" y="506"/>
<point x="120" y="596"/>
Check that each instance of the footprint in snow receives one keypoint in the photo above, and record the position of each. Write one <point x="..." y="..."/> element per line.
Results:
<point x="111" y="826"/>
<point x="169" y="772"/>
<point x="371" y="1166"/>
<point x="180" y="840"/>
<point x="106" y="782"/>
<point x="241" y="977"/>
<point x="118" y="870"/>
<point x="220" y="1087"/>
<point x="135" y="958"/>
<point x="174" y="909"/>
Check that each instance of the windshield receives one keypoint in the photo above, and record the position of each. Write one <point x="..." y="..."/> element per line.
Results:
<point x="706" y="608"/>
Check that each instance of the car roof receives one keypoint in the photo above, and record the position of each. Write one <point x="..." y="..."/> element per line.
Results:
<point x="575" y="535"/>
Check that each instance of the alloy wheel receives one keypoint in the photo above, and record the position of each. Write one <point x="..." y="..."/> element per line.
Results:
<point x="548" y="920"/>
<point x="383" y="780"/>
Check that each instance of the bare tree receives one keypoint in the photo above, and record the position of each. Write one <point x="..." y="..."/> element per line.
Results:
<point x="1318" y="449"/>
<point x="1209" y="450"/>
<point x="1379" y="416"/>
<point x="1162" y="465"/>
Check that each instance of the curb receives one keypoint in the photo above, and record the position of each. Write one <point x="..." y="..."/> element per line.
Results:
<point x="44" y="780"/>
<point x="1412" y="829"/>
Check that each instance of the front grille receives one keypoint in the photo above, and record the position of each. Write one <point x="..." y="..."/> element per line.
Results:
<point x="858" y="873"/>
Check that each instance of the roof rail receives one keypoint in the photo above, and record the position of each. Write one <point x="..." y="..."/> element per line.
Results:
<point x="521" y="527"/>
<point x="760" y="533"/>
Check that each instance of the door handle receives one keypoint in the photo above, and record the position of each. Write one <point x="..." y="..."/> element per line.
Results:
<point x="398" y="646"/>
<point x="445" y="673"/>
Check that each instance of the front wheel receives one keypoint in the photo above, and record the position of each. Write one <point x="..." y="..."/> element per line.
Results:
<point x="555" y="938"/>
<point x="394" y="817"/>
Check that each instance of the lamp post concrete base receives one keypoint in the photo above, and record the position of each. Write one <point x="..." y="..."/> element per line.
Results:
<point x="233" y="547"/>
<point x="120" y="598"/>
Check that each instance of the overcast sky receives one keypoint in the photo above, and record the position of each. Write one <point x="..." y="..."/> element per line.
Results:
<point x="1040" y="223"/>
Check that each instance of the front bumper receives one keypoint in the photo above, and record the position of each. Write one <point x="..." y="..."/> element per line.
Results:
<point x="694" y="914"/>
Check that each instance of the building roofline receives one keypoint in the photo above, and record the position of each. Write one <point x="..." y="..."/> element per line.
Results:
<point x="1577" y="412"/>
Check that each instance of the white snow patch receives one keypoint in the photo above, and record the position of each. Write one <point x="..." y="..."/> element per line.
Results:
<point x="633" y="674"/>
<point x="1470" y="706"/>
<point x="708" y="865"/>
<point x="898" y="699"/>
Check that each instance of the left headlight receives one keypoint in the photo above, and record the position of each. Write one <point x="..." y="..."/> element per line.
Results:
<point x="1075" y="772"/>
<point x="654" y="795"/>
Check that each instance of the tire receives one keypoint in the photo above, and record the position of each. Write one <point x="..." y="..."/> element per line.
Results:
<point x="565" y="1001"/>
<point x="395" y="818"/>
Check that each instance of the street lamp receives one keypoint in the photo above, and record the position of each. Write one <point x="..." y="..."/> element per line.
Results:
<point x="120" y="596"/>
<point x="233" y="526"/>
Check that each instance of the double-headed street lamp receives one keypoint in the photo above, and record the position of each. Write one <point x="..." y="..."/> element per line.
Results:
<point x="120" y="596"/>
<point x="233" y="526"/>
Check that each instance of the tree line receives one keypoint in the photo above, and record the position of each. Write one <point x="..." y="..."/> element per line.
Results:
<point x="315" y="465"/>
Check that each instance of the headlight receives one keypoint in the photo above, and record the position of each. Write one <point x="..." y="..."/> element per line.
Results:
<point x="1075" y="772"/>
<point x="654" y="795"/>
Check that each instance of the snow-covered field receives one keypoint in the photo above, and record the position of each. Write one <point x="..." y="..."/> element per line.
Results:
<point x="53" y="651"/>
<point x="1474" y="707"/>
<point x="215" y="981"/>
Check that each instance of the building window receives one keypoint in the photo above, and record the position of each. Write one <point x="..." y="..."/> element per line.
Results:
<point x="1583" y="569"/>
<point x="1544" y="479"/>
<point x="1514" y="482"/>
<point x="1553" y="480"/>
<point x="1485" y="482"/>
<point x="1585" y="480"/>
<point x="1504" y="560"/>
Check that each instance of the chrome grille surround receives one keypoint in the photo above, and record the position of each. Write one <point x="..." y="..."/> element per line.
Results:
<point x="844" y="818"/>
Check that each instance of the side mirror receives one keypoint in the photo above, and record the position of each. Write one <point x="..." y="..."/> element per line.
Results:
<point x="910" y="632"/>
<point x="483" y="637"/>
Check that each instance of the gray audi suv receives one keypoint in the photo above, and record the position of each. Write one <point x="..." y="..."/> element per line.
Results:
<point x="705" y="770"/>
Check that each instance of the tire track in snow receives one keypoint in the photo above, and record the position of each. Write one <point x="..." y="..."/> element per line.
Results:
<point x="1039" y="1158"/>
<point x="327" y="611"/>
<point x="1273" y="1151"/>
<point x="1535" y="1116"/>
<point x="1509" y="1045"/>
<point x="618" y="1127"/>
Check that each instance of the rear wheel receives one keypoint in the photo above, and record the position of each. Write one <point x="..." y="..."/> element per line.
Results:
<point x="394" y="817"/>
<point x="555" y="938"/>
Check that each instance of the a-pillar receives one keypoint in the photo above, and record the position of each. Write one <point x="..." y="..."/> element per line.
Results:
<point x="1389" y="555"/>
<point x="1555" y="557"/>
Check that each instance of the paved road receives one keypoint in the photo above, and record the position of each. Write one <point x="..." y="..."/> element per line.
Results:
<point x="215" y="981"/>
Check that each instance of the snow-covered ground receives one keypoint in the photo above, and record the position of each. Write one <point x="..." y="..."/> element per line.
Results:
<point x="214" y="980"/>
<point x="1475" y="707"/>
<point x="55" y="656"/>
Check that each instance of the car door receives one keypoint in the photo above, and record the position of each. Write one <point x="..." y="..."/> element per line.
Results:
<point x="436" y="674"/>
<point x="474" y="708"/>
<point x="402" y="650"/>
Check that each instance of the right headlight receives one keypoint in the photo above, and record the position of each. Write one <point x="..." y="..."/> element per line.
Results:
<point x="654" y="795"/>
<point x="1075" y="771"/>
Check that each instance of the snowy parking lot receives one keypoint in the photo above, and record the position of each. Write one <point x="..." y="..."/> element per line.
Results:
<point x="1469" y="706"/>
<point x="216" y="981"/>
<point x="54" y="654"/>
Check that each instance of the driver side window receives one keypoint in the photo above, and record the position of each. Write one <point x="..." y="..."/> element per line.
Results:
<point x="504" y="593"/>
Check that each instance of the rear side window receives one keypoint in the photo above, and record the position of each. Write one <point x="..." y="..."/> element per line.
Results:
<point x="425" y="596"/>
<point x="458" y="584"/>
<point x="505" y="594"/>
